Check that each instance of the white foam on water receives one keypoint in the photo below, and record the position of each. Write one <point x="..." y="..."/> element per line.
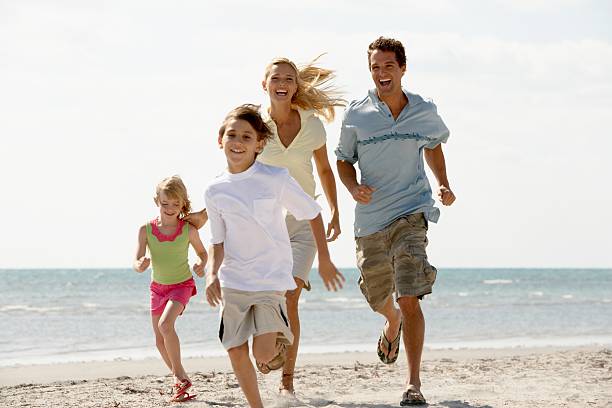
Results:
<point x="27" y="308"/>
<point x="497" y="281"/>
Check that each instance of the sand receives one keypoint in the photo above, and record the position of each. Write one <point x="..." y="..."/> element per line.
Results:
<point x="575" y="377"/>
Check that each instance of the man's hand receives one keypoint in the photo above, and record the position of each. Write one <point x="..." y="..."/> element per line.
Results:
<point x="198" y="268"/>
<point x="213" y="289"/>
<point x="332" y="278"/>
<point x="362" y="193"/>
<point x="446" y="196"/>
<point x="197" y="219"/>
<point x="141" y="264"/>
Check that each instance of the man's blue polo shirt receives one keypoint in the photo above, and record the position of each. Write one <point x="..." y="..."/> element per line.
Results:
<point x="390" y="158"/>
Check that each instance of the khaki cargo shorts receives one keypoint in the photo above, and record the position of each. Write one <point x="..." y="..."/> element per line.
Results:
<point x="394" y="261"/>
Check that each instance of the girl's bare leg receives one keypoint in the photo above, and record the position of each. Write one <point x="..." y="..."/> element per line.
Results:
<point x="159" y="341"/>
<point x="171" y="340"/>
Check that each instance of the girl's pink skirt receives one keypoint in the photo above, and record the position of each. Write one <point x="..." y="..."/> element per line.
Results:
<point x="180" y="292"/>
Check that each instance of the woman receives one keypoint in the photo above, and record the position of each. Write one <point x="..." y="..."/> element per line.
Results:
<point x="298" y="96"/>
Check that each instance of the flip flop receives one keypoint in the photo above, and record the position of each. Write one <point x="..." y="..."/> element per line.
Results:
<point x="391" y="346"/>
<point x="412" y="396"/>
<point x="276" y="363"/>
<point x="180" y="392"/>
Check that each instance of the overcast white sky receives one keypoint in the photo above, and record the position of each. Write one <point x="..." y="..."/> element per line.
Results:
<point x="100" y="100"/>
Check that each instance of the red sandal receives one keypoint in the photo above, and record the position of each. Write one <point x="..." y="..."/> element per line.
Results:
<point x="180" y="392"/>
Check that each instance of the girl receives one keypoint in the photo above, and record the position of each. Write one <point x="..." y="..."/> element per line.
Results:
<point x="251" y="256"/>
<point x="297" y="98"/>
<point x="168" y="238"/>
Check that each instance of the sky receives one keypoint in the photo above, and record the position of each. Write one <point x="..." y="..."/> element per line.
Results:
<point x="101" y="100"/>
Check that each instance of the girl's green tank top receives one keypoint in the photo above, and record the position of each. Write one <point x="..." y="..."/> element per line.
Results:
<point x="169" y="254"/>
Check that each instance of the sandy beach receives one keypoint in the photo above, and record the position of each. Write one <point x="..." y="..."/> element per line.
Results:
<point x="544" y="377"/>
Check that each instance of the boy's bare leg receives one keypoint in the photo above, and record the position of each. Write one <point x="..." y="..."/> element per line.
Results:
<point x="293" y="297"/>
<point x="171" y="340"/>
<point x="245" y="373"/>
<point x="264" y="347"/>
<point x="159" y="341"/>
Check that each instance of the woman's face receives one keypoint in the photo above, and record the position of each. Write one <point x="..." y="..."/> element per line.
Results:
<point x="281" y="83"/>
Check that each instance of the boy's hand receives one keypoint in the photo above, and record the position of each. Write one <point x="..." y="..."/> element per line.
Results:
<point x="198" y="268"/>
<point x="332" y="278"/>
<point x="141" y="264"/>
<point x="213" y="289"/>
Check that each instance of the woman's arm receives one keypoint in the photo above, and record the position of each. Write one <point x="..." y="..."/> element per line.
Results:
<point x="328" y="183"/>
<point x="197" y="219"/>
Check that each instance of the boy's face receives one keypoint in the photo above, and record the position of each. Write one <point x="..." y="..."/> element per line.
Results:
<point x="240" y="145"/>
<point x="386" y="73"/>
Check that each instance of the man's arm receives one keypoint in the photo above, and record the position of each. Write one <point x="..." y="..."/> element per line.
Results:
<point x="435" y="160"/>
<point x="348" y="175"/>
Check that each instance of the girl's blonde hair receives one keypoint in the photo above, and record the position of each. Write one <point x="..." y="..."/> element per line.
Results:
<point x="174" y="189"/>
<point x="314" y="88"/>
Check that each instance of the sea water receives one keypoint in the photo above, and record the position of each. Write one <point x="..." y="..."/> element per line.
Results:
<point x="61" y="315"/>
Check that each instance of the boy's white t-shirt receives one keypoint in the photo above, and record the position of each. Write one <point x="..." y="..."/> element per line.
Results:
<point x="245" y="212"/>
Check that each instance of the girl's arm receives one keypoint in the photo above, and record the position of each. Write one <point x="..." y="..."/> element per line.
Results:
<point x="197" y="219"/>
<point x="332" y="278"/>
<point x="328" y="183"/>
<point x="141" y="263"/>
<point x="213" y="287"/>
<point x="196" y="243"/>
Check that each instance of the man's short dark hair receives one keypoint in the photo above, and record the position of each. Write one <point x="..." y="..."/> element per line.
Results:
<point x="388" y="44"/>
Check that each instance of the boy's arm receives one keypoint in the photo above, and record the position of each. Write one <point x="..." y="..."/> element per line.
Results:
<point x="213" y="287"/>
<point x="437" y="164"/>
<point x="141" y="263"/>
<point x="332" y="278"/>
<point x="196" y="243"/>
<point x="197" y="219"/>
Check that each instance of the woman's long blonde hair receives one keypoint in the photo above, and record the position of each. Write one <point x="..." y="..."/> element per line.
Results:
<point x="314" y="88"/>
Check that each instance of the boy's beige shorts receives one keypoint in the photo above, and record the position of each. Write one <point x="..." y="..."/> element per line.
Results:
<point x="245" y="314"/>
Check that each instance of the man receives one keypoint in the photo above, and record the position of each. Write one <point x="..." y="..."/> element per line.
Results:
<point x="387" y="133"/>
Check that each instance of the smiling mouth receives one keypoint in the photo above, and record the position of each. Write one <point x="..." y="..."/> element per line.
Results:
<point x="384" y="82"/>
<point x="281" y="92"/>
<point x="237" y="151"/>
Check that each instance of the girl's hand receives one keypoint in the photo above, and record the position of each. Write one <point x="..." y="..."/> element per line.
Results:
<point x="198" y="268"/>
<point x="334" y="225"/>
<point x="213" y="290"/>
<point x="332" y="278"/>
<point x="142" y="263"/>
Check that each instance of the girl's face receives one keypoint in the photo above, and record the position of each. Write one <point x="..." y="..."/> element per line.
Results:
<point x="240" y="144"/>
<point x="168" y="208"/>
<point x="281" y="83"/>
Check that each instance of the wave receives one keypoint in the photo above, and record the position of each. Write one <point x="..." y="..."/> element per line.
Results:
<point x="27" y="308"/>
<point x="497" y="281"/>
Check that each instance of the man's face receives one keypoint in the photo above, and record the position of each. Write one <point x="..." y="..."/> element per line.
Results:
<point x="386" y="73"/>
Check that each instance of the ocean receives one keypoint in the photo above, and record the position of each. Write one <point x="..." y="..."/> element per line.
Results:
<point x="67" y="315"/>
